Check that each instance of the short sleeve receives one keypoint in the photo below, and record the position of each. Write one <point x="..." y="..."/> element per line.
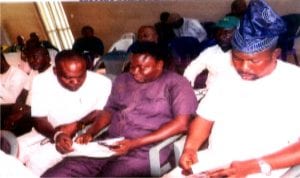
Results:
<point x="210" y="107"/>
<point x="112" y="98"/>
<point x="104" y="90"/>
<point x="183" y="97"/>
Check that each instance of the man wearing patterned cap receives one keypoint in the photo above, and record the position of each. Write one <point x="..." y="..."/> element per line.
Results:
<point x="252" y="126"/>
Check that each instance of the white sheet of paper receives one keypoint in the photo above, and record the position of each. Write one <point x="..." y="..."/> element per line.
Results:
<point x="111" y="141"/>
<point x="209" y="161"/>
<point x="92" y="149"/>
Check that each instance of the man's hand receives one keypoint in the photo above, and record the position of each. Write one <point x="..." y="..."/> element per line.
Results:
<point x="124" y="146"/>
<point x="187" y="159"/>
<point x="63" y="143"/>
<point x="84" y="138"/>
<point x="69" y="129"/>
<point x="237" y="169"/>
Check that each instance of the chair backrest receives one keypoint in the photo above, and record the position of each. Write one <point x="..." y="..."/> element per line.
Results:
<point x="9" y="143"/>
<point x="129" y="35"/>
<point x="13" y="58"/>
<point x="123" y="43"/>
<point x="114" y="62"/>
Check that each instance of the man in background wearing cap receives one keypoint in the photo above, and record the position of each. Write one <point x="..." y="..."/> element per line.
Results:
<point x="187" y="27"/>
<point x="252" y="126"/>
<point x="217" y="59"/>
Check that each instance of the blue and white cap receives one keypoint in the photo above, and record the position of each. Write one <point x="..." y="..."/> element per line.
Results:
<point x="258" y="29"/>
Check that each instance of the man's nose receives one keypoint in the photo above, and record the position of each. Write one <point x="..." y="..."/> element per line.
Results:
<point x="136" y="70"/>
<point x="74" y="81"/>
<point x="245" y="66"/>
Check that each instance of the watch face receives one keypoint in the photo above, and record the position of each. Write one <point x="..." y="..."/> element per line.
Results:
<point x="265" y="168"/>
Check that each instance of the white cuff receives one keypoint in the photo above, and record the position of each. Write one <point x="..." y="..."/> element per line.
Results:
<point x="57" y="134"/>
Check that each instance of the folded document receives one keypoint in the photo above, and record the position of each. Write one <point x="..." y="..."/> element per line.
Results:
<point x="94" y="149"/>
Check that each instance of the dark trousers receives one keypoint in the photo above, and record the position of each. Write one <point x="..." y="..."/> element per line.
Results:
<point x="93" y="167"/>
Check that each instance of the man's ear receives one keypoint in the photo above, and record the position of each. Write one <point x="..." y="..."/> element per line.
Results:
<point x="160" y="64"/>
<point x="276" y="53"/>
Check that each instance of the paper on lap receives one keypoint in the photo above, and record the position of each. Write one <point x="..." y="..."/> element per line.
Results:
<point x="31" y="138"/>
<point x="208" y="160"/>
<point x="111" y="141"/>
<point x="94" y="149"/>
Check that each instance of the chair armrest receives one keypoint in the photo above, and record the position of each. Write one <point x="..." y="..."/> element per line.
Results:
<point x="12" y="140"/>
<point x="155" y="158"/>
<point x="178" y="148"/>
<point x="292" y="172"/>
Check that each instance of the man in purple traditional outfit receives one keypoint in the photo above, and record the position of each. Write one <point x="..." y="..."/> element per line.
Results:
<point x="146" y="105"/>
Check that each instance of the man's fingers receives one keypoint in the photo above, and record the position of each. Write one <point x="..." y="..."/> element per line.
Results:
<point x="223" y="172"/>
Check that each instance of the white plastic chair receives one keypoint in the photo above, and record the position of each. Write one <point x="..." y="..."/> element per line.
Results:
<point x="13" y="58"/>
<point x="178" y="148"/>
<point x="123" y="43"/>
<point x="114" y="62"/>
<point x="179" y="145"/>
<point x="292" y="172"/>
<point x="156" y="168"/>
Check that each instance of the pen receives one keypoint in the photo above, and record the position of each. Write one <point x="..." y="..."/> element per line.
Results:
<point x="109" y="146"/>
<point x="44" y="141"/>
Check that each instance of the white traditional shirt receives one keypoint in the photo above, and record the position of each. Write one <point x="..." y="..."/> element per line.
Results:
<point x="60" y="106"/>
<point x="216" y="61"/>
<point x="11" y="85"/>
<point x="63" y="106"/>
<point x="23" y="65"/>
<point x="192" y="28"/>
<point x="253" y="118"/>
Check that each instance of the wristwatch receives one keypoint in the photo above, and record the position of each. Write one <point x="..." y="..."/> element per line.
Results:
<point x="265" y="168"/>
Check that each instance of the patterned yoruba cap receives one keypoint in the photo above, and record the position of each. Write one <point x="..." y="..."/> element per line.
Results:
<point x="258" y="29"/>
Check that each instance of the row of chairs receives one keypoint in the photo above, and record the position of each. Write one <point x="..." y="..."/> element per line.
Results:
<point x="157" y="170"/>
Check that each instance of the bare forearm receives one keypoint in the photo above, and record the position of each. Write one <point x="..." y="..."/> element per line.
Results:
<point x="101" y="121"/>
<point x="21" y="99"/>
<point x="90" y="117"/>
<point x="176" y="126"/>
<point x="286" y="157"/>
<point x="198" y="133"/>
<point x="44" y="127"/>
